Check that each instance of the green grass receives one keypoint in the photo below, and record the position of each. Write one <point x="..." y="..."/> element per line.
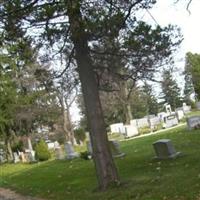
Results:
<point x="143" y="178"/>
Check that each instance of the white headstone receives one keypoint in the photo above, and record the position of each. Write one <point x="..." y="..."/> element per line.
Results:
<point x="117" y="128"/>
<point x="162" y="115"/>
<point x="186" y="108"/>
<point x="30" y="155"/>
<point x="170" y="121"/>
<point x="168" y="109"/>
<point x="130" y="130"/>
<point x="180" y="114"/>
<point x="154" y="121"/>
<point x="133" y="122"/>
<point x="143" y="122"/>
<point x="16" y="157"/>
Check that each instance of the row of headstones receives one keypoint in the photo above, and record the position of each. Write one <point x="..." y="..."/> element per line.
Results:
<point x="71" y="154"/>
<point x="24" y="157"/>
<point x="163" y="148"/>
<point x="168" y="119"/>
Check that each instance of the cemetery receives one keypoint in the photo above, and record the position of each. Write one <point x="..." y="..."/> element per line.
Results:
<point x="155" y="158"/>
<point x="99" y="100"/>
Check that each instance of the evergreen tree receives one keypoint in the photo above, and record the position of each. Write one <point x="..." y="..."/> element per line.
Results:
<point x="170" y="90"/>
<point x="151" y="101"/>
<point x="192" y="75"/>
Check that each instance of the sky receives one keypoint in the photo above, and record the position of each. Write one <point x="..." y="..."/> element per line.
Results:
<point x="167" y="12"/>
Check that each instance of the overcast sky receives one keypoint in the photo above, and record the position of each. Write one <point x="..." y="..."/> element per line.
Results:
<point x="166" y="12"/>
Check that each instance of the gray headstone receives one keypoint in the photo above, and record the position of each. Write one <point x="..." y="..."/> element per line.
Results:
<point x="164" y="149"/>
<point x="115" y="149"/>
<point x="193" y="122"/>
<point x="70" y="151"/>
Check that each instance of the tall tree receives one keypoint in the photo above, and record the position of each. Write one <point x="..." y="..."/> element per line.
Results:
<point x="171" y="93"/>
<point x="151" y="101"/>
<point x="192" y="74"/>
<point x="73" y="29"/>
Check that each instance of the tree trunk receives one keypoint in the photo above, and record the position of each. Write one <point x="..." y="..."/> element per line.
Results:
<point x="125" y="101"/>
<point x="9" y="154"/>
<point x="104" y="164"/>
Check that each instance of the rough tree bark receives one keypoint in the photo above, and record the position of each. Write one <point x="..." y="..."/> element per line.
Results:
<point x="105" y="168"/>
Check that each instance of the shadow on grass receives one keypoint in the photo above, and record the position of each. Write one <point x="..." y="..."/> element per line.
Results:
<point x="143" y="178"/>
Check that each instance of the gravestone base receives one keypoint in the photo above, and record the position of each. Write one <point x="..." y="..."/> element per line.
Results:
<point x="173" y="156"/>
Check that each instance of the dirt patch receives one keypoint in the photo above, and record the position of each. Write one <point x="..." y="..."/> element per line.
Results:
<point x="6" y="194"/>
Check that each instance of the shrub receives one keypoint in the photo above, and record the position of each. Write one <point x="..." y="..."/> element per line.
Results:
<point x="85" y="155"/>
<point x="41" y="151"/>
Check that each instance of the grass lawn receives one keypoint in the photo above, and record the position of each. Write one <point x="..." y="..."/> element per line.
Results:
<point x="143" y="178"/>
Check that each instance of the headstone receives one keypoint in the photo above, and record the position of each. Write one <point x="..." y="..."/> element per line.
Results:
<point x="50" y="145"/>
<point x="193" y="122"/>
<point x="56" y="144"/>
<point x="117" y="128"/>
<point x="164" y="149"/>
<point x="186" y="108"/>
<point x="70" y="151"/>
<point x="2" y="156"/>
<point x="115" y="149"/>
<point x="198" y="105"/>
<point x="162" y="115"/>
<point x="154" y="121"/>
<point x="22" y="157"/>
<point x="130" y="131"/>
<point x="180" y="114"/>
<point x="143" y="122"/>
<point x="59" y="154"/>
<point x="168" y="109"/>
<point x="133" y="122"/>
<point x="30" y="155"/>
<point x="16" y="157"/>
<point x="170" y="121"/>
